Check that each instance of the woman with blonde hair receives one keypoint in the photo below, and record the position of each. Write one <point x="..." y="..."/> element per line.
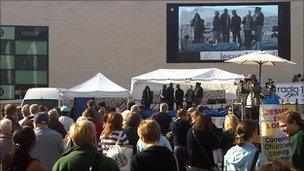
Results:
<point x="244" y="155"/>
<point x="113" y="132"/>
<point x="84" y="155"/>
<point x="230" y="124"/>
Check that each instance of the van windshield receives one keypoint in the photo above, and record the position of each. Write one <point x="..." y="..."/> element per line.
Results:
<point x="49" y="103"/>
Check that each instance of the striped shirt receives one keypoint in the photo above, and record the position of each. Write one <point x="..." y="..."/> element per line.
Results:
<point x="106" y="143"/>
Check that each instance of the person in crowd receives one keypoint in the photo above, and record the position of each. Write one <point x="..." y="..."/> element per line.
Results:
<point x="292" y="124"/>
<point x="25" y="111"/>
<point x="275" y="166"/>
<point x="163" y="141"/>
<point x="112" y="133"/>
<point x="97" y="119"/>
<point x="248" y="28"/>
<point x="179" y="128"/>
<point x="135" y="109"/>
<point x="200" y="144"/>
<point x="295" y="79"/>
<point x="253" y="90"/>
<point x="89" y="114"/>
<point x="11" y="113"/>
<point x="49" y="143"/>
<point x="216" y="27"/>
<point x="194" y="115"/>
<point x="147" y="97"/>
<point x="132" y="123"/>
<point x="34" y="109"/>
<point x="154" y="156"/>
<point x="258" y="21"/>
<point x="19" y="157"/>
<point x="163" y="94"/>
<point x="198" y="94"/>
<point x="43" y="109"/>
<point x="198" y="25"/>
<point x="189" y="97"/>
<point x="125" y="115"/>
<point x="228" y="136"/>
<point x="235" y="26"/>
<point x="244" y="155"/>
<point x="54" y="124"/>
<point x="162" y="118"/>
<point x="170" y="91"/>
<point x="179" y="97"/>
<point x="129" y="105"/>
<point x="65" y="118"/>
<point x="225" y="25"/>
<point x="301" y="79"/>
<point x="6" y="127"/>
<point x="84" y="155"/>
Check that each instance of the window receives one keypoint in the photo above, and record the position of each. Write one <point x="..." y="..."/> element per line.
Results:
<point x="30" y="62"/>
<point x="7" y="62"/>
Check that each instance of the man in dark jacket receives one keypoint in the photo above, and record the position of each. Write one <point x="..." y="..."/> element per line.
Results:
<point x="170" y="91"/>
<point x="162" y="118"/>
<point x="258" y="20"/>
<point x="216" y="30"/>
<point x="225" y="25"/>
<point x="179" y="97"/>
<point x="235" y="26"/>
<point x="198" y="94"/>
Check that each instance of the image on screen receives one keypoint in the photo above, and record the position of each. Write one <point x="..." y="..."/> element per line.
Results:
<point x="215" y="32"/>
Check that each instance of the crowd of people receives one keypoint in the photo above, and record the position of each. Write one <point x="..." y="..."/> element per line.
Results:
<point x="223" y="24"/>
<point x="44" y="139"/>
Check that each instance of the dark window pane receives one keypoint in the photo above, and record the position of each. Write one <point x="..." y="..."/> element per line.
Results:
<point x="35" y="62"/>
<point x="31" y="33"/>
<point x="6" y="47"/>
<point x="7" y="77"/>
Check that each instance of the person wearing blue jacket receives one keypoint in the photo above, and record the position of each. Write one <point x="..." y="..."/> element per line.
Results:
<point x="241" y="156"/>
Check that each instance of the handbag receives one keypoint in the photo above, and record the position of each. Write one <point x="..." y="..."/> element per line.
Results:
<point x="215" y="167"/>
<point x="121" y="154"/>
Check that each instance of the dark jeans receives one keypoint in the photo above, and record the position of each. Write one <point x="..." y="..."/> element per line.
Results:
<point x="179" y="105"/>
<point x="182" y="157"/>
<point x="189" y="104"/>
<point x="236" y="35"/>
<point x="225" y="34"/>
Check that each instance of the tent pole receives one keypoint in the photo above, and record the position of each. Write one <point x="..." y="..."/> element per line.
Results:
<point x="260" y="70"/>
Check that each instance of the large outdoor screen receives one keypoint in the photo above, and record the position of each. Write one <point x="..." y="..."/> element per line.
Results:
<point x="217" y="32"/>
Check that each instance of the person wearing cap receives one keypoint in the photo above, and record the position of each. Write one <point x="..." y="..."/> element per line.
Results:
<point x="65" y="119"/>
<point x="49" y="143"/>
<point x="258" y="22"/>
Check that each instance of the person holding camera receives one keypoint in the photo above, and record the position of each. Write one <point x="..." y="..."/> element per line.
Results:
<point x="253" y="90"/>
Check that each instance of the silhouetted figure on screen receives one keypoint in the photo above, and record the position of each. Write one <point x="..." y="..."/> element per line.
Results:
<point x="225" y="24"/>
<point x="198" y="25"/>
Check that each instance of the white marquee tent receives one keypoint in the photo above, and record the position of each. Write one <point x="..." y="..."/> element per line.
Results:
<point x="211" y="79"/>
<point x="99" y="86"/>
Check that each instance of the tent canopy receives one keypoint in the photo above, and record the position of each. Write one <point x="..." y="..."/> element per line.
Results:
<point x="99" y="86"/>
<point x="211" y="78"/>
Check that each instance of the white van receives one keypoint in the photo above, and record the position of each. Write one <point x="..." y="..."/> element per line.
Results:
<point x="49" y="97"/>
